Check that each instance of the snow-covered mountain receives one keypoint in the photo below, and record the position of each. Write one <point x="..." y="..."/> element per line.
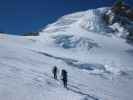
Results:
<point x="98" y="61"/>
<point x="93" y="20"/>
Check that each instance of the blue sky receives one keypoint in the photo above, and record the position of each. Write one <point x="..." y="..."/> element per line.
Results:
<point x="21" y="16"/>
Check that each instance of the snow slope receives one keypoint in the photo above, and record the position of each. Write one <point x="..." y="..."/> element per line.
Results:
<point x="98" y="62"/>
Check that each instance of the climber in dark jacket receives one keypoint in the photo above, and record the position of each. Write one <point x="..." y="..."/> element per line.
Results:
<point x="64" y="77"/>
<point x="54" y="71"/>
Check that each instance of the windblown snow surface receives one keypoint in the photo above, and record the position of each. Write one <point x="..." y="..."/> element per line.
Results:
<point x="99" y="63"/>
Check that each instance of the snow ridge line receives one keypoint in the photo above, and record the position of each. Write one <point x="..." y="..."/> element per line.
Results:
<point x="82" y="93"/>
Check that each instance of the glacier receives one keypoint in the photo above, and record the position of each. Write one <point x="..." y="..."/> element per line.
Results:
<point x="98" y="61"/>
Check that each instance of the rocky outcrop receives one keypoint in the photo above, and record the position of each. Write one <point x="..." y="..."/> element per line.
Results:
<point x="31" y="34"/>
<point x="130" y="14"/>
<point x="121" y="14"/>
<point x="123" y="10"/>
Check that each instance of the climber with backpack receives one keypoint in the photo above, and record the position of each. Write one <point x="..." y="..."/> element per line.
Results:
<point x="64" y="77"/>
<point x="54" y="71"/>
